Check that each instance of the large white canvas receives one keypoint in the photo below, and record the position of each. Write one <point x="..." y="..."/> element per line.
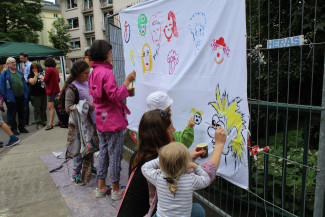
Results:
<point x="201" y="64"/>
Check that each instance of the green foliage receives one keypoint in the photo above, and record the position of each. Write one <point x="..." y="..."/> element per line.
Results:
<point x="59" y="35"/>
<point x="19" y="20"/>
<point x="293" y="172"/>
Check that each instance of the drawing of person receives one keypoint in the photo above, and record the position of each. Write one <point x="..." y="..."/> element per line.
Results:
<point x="146" y="58"/>
<point x="220" y="48"/>
<point x="171" y="28"/>
<point x="132" y="57"/>
<point x="127" y="32"/>
<point x="142" y="24"/>
<point x="155" y="29"/>
<point x="197" y="26"/>
<point x="172" y="59"/>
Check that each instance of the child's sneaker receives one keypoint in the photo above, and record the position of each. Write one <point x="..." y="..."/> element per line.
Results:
<point x="93" y="170"/>
<point x="117" y="195"/>
<point x="76" y="178"/>
<point x="98" y="193"/>
<point x="13" y="141"/>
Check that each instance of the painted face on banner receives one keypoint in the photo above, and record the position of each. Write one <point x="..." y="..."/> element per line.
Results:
<point x="155" y="31"/>
<point x="146" y="57"/>
<point x="168" y="29"/>
<point x="142" y="24"/>
<point x="219" y="55"/>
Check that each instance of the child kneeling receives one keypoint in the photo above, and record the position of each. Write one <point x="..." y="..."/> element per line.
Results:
<point x="175" y="186"/>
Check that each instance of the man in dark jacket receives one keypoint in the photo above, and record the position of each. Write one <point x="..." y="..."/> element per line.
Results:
<point x="14" y="90"/>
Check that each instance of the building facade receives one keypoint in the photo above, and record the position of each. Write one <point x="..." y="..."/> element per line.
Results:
<point x="49" y="13"/>
<point x="86" y="18"/>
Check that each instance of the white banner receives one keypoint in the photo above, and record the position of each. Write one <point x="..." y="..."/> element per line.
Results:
<point x="195" y="51"/>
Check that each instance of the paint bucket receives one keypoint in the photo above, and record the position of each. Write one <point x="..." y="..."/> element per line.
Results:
<point x="202" y="146"/>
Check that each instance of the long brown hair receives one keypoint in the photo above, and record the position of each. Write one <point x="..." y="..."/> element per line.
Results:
<point x="153" y="134"/>
<point x="77" y="68"/>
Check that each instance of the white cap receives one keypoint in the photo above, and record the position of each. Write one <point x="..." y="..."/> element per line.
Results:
<point x="158" y="100"/>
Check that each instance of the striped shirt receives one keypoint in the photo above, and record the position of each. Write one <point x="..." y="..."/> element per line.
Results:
<point x="179" y="204"/>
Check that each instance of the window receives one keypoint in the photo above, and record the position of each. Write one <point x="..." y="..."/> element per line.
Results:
<point x="106" y="3"/>
<point x="89" y="23"/>
<point x="90" y="41"/>
<point x="71" y="4"/>
<point x="75" y="44"/>
<point x="55" y="15"/>
<point x="73" y="22"/>
<point x="88" y="4"/>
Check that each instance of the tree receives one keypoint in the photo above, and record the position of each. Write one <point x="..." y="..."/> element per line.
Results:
<point x="19" y="20"/>
<point x="59" y="35"/>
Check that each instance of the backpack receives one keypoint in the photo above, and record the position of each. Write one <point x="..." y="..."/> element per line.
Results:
<point x="63" y="116"/>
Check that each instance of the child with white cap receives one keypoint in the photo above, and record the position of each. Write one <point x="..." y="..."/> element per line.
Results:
<point x="160" y="100"/>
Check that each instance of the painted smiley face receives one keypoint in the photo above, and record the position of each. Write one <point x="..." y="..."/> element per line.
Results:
<point x="146" y="58"/>
<point x="156" y="32"/>
<point x="197" y="118"/>
<point x="168" y="30"/>
<point x="219" y="55"/>
<point x="143" y="29"/>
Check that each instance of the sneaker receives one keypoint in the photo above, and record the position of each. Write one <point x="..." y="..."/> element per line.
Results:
<point x="76" y="178"/>
<point x="98" y="193"/>
<point x="93" y="170"/>
<point x="16" y="133"/>
<point x="23" y="130"/>
<point x="117" y="195"/>
<point x="13" y="141"/>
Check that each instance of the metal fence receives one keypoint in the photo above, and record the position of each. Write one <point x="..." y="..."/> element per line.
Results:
<point x="286" y="90"/>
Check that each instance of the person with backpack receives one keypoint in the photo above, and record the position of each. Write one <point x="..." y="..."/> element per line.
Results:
<point x="74" y="92"/>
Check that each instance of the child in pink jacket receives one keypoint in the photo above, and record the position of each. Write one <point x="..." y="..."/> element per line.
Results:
<point x="110" y="117"/>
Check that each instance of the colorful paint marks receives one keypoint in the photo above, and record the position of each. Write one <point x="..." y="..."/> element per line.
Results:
<point x="132" y="57"/>
<point x="220" y="49"/>
<point x="146" y="58"/>
<point x="142" y="24"/>
<point x="171" y="27"/>
<point x="155" y="32"/>
<point x="229" y="117"/>
<point x="197" y="25"/>
<point x="173" y="60"/>
<point x="127" y="32"/>
<point x="197" y="116"/>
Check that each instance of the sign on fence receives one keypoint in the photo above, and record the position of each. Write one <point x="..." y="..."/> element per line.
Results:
<point x="285" y="42"/>
<point x="196" y="52"/>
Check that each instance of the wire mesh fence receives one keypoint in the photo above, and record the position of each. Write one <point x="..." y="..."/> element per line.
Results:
<point x="286" y="101"/>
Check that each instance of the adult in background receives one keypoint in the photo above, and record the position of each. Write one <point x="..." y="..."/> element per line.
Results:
<point x="14" y="90"/>
<point x="38" y="94"/>
<point x="51" y="80"/>
<point x="24" y="59"/>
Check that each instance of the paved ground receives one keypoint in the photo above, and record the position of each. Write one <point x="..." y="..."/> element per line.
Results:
<point x="26" y="187"/>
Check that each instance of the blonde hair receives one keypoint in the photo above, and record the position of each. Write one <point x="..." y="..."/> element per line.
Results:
<point x="150" y="59"/>
<point x="173" y="159"/>
<point x="10" y="59"/>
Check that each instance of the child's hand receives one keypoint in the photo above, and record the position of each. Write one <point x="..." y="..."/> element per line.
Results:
<point x="191" y="123"/>
<point x="91" y="106"/>
<point x="191" y="164"/>
<point x="131" y="77"/>
<point x="195" y="154"/>
<point x="220" y="137"/>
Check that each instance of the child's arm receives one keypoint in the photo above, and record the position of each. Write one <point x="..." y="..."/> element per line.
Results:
<point x="200" y="179"/>
<point x="151" y="170"/>
<point x="70" y="99"/>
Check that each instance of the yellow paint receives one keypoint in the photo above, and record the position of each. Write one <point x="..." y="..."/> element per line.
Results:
<point x="132" y="56"/>
<point x="150" y="59"/>
<point x="234" y="119"/>
<point x="193" y="111"/>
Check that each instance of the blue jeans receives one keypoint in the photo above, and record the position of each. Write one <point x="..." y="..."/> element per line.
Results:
<point x="197" y="211"/>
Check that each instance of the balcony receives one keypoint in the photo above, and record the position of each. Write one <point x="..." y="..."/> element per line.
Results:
<point x="106" y="4"/>
<point x="87" y="8"/>
<point x="89" y="28"/>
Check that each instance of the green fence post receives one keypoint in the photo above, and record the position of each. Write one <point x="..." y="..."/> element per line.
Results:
<point x="319" y="209"/>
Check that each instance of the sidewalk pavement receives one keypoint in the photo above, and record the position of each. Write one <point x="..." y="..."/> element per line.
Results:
<point x="26" y="187"/>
